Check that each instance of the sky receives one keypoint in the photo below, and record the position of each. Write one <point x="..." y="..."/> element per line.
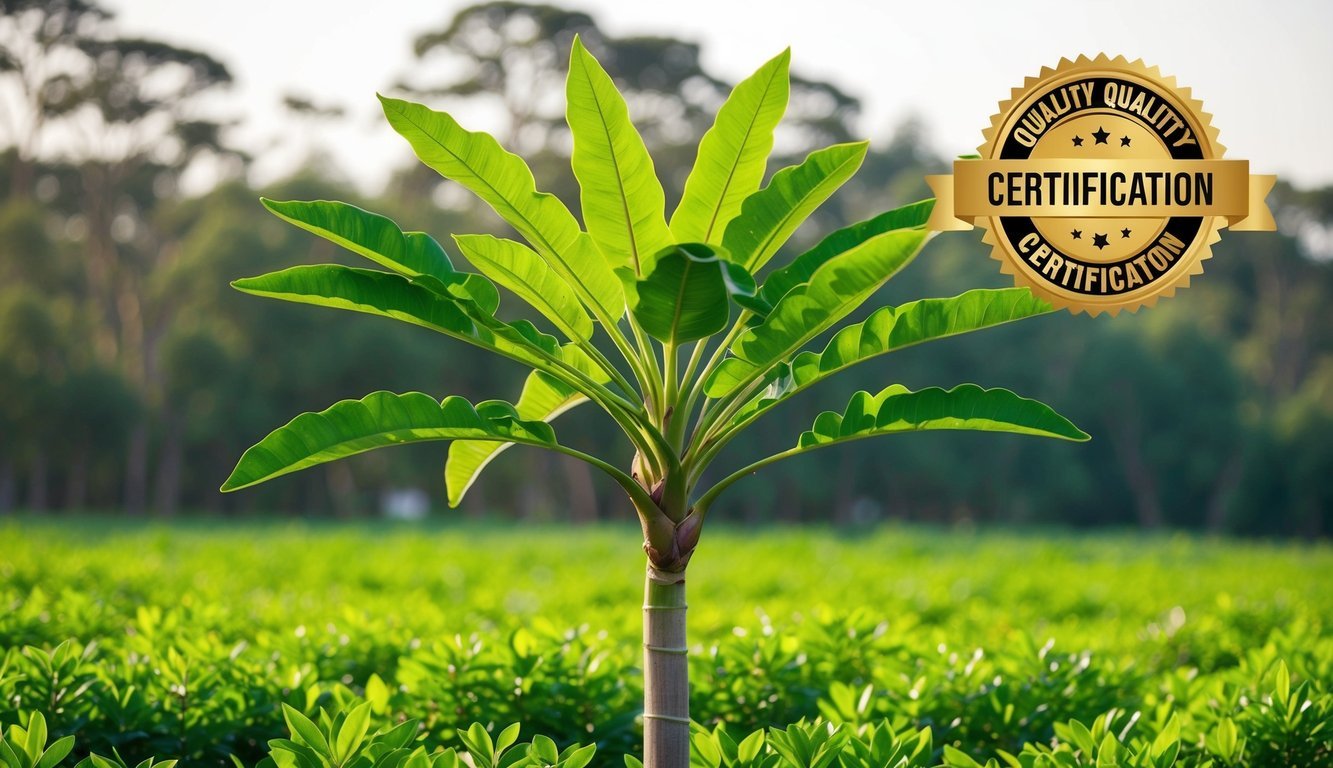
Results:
<point x="1264" y="70"/>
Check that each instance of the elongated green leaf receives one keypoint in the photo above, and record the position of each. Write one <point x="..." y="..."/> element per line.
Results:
<point x="300" y="726"/>
<point x="543" y="399"/>
<point x="57" y="752"/>
<point x="834" y="290"/>
<point x="732" y="154"/>
<point x="770" y="216"/>
<point x="371" y="235"/>
<point x="379" y="239"/>
<point x="516" y="267"/>
<point x="966" y="407"/>
<point x="622" y="199"/>
<point x="503" y="181"/>
<point x="687" y="294"/>
<point x="803" y="267"/>
<point x="380" y="419"/>
<point x="353" y="732"/>
<point x="413" y="301"/>
<point x="892" y="328"/>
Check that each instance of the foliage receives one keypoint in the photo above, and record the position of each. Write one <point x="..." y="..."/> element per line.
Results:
<point x="155" y="377"/>
<point x="637" y="280"/>
<point x="186" y="642"/>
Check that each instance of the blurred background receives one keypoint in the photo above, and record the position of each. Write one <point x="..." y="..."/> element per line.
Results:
<point x="135" y="138"/>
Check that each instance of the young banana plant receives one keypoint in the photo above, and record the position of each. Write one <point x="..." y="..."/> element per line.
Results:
<point x="661" y="324"/>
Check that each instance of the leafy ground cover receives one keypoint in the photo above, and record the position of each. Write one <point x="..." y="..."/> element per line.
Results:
<point x="896" y="646"/>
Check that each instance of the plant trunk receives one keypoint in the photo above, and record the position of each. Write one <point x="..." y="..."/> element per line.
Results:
<point x="666" y="676"/>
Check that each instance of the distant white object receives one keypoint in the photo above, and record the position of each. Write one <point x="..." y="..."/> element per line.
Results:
<point x="405" y="504"/>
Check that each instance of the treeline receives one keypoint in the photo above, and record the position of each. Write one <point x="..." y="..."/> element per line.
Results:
<point x="132" y="376"/>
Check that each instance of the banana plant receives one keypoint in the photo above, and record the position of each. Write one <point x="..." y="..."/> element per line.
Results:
<point x="666" y="325"/>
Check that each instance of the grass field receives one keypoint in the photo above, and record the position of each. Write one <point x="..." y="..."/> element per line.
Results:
<point x="182" y="641"/>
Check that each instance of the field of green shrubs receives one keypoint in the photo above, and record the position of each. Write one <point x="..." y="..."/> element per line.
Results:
<point x="241" y="643"/>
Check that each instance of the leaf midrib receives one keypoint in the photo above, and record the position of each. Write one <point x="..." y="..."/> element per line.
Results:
<point x="615" y="165"/>
<point x="544" y="244"/>
<point x="791" y="212"/>
<point x="749" y="129"/>
<point x="537" y="297"/>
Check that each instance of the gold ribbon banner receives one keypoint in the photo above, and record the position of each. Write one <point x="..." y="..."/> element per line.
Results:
<point x="1101" y="189"/>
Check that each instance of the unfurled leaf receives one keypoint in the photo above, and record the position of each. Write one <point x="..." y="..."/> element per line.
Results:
<point x="888" y="329"/>
<point x="516" y="267"/>
<point x="543" y="399"/>
<point x="834" y="290"/>
<point x="298" y="724"/>
<point x="622" y="199"/>
<point x="803" y="267"/>
<point x="770" y="216"/>
<point x="416" y="301"/>
<point x="733" y="154"/>
<point x="687" y="295"/>
<point x="501" y="179"/>
<point x="965" y="407"/>
<point x="380" y="419"/>
<point x="367" y="234"/>
<point x="352" y="732"/>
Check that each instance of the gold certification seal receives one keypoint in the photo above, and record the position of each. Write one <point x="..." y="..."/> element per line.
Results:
<point x="1101" y="186"/>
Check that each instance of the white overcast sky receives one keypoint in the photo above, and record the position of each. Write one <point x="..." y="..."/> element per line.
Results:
<point x="1265" y="70"/>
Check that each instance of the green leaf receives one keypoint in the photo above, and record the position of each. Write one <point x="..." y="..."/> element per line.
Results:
<point x="733" y="154"/>
<point x="835" y="289"/>
<point x="507" y="737"/>
<point x="516" y="267"/>
<point x="622" y="200"/>
<point x="965" y="407"/>
<point x="1282" y="684"/>
<point x="956" y="758"/>
<point x="543" y="399"/>
<point x="580" y="757"/>
<point x="544" y="750"/>
<point x="353" y="731"/>
<point x="770" y="216"/>
<point x="479" y="743"/>
<point x="687" y="294"/>
<point x="417" y="301"/>
<point x="36" y="741"/>
<point x="886" y="330"/>
<point x="380" y="419"/>
<point x="367" y="234"/>
<point x="750" y="747"/>
<point x="803" y="267"/>
<point x="501" y="179"/>
<point x="56" y="752"/>
<point x="298" y="724"/>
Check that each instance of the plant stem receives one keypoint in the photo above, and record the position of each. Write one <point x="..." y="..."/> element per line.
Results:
<point x="706" y="499"/>
<point x="666" y="680"/>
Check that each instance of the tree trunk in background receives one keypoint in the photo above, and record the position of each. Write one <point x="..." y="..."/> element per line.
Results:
<point x="167" y="487"/>
<point x="136" y="470"/>
<point x="7" y="485"/>
<point x="531" y="496"/>
<point x="342" y="489"/>
<point x="37" y="482"/>
<point x="582" y="493"/>
<point x="1127" y="440"/>
<point x="76" y="483"/>
<point x="666" y="675"/>
<point x="1227" y="482"/>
